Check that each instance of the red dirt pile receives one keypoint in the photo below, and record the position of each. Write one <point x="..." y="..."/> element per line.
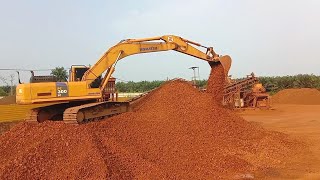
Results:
<point x="8" y="100"/>
<point x="51" y="150"/>
<point x="304" y="96"/>
<point x="177" y="132"/>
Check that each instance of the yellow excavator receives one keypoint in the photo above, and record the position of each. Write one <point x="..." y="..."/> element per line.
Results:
<point x="88" y="95"/>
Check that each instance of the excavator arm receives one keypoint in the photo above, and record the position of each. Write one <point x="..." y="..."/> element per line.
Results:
<point x="147" y="45"/>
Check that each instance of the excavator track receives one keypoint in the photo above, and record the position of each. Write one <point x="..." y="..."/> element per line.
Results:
<point x="47" y="112"/>
<point x="32" y="116"/>
<point x="70" y="115"/>
<point x="93" y="111"/>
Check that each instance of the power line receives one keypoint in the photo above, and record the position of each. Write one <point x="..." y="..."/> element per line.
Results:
<point x="2" y="69"/>
<point x="12" y="69"/>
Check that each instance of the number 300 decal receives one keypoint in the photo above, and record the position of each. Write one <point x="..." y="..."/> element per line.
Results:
<point x="62" y="89"/>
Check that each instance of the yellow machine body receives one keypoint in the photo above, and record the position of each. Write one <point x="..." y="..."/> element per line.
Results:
<point x="55" y="92"/>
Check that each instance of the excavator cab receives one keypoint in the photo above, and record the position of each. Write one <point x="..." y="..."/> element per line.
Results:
<point x="76" y="73"/>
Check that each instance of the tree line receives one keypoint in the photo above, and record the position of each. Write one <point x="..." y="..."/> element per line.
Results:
<point x="272" y="84"/>
<point x="277" y="83"/>
<point x="141" y="86"/>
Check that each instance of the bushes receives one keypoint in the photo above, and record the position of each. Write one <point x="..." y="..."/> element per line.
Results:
<point x="6" y="90"/>
<point x="277" y="83"/>
<point x="2" y="92"/>
<point x="141" y="86"/>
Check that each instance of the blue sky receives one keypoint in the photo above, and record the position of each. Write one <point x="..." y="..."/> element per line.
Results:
<point x="268" y="37"/>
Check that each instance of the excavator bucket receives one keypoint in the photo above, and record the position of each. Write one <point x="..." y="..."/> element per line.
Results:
<point x="225" y="61"/>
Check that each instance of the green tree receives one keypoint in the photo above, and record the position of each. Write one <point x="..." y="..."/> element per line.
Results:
<point x="306" y="81"/>
<point x="60" y="73"/>
<point x="3" y="92"/>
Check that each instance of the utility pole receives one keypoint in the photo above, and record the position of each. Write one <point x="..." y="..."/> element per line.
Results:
<point x="11" y="87"/>
<point x="195" y="77"/>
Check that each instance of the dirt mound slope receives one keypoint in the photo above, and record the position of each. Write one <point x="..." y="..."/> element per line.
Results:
<point x="8" y="100"/>
<point x="176" y="133"/>
<point x="304" y="96"/>
<point x="5" y="126"/>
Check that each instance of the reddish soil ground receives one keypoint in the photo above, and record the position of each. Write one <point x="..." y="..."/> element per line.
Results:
<point x="299" y="121"/>
<point x="8" y="100"/>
